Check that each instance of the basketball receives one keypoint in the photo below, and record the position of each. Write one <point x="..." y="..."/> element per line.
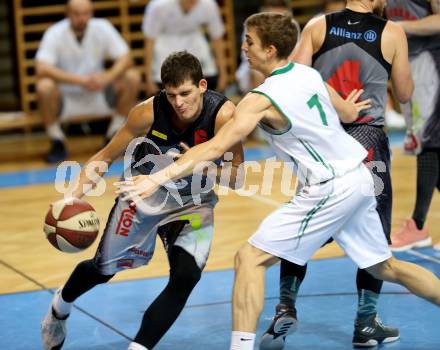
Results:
<point x="71" y="227"/>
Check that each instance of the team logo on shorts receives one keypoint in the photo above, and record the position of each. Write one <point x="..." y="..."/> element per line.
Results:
<point x="125" y="263"/>
<point x="125" y="221"/>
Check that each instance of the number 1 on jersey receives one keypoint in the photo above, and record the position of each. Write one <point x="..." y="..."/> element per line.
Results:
<point x="314" y="102"/>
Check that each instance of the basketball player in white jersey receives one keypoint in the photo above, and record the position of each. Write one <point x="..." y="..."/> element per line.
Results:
<point x="335" y="198"/>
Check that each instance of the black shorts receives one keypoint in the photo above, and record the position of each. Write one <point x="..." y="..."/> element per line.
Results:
<point x="378" y="161"/>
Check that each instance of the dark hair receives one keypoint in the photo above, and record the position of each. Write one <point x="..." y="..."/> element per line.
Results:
<point x="180" y="66"/>
<point x="275" y="29"/>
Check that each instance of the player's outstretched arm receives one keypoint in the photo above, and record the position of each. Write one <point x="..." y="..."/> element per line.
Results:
<point x="429" y="25"/>
<point x="247" y="114"/>
<point x="138" y="124"/>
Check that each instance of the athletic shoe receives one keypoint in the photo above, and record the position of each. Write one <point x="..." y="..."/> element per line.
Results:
<point x="410" y="144"/>
<point x="53" y="331"/>
<point x="57" y="152"/>
<point x="283" y="324"/>
<point x="372" y="332"/>
<point x="394" y="120"/>
<point x="409" y="236"/>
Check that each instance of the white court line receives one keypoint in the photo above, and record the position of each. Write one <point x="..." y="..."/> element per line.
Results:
<point x="423" y="256"/>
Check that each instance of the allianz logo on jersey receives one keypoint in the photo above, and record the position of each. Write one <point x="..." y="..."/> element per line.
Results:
<point x="369" y="35"/>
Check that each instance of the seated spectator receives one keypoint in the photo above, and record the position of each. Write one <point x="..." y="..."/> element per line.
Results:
<point x="71" y="78"/>
<point x="171" y="25"/>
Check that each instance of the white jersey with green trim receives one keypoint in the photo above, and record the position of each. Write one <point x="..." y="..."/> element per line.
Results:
<point x="314" y="139"/>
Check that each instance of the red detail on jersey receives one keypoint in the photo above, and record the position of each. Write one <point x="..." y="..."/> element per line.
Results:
<point x="125" y="222"/>
<point x="346" y="78"/>
<point x="200" y="136"/>
<point x="364" y="120"/>
<point x="395" y="13"/>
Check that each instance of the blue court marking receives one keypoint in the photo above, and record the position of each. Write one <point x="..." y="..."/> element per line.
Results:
<point x="326" y="309"/>
<point x="42" y="176"/>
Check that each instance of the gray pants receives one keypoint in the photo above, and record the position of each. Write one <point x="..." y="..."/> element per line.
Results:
<point x="129" y="238"/>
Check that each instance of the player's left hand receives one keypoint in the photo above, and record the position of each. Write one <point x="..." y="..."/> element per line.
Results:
<point x="137" y="188"/>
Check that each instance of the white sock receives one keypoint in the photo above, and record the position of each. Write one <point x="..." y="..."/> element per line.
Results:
<point x="242" y="341"/>
<point x="55" y="132"/>
<point x="116" y="123"/>
<point x="62" y="308"/>
<point x="136" y="346"/>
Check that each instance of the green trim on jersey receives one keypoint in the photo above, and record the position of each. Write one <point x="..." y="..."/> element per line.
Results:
<point x="309" y="215"/>
<point x="316" y="155"/>
<point x="267" y="128"/>
<point x="282" y="70"/>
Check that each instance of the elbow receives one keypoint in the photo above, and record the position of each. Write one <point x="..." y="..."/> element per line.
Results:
<point x="40" y="72"/>
<point x="403" y="92"/>
<point x="405" y="96"/>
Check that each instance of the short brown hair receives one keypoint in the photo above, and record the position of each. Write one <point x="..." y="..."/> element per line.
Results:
<point x="275" y="29"/>
<point x="180" y="66"/>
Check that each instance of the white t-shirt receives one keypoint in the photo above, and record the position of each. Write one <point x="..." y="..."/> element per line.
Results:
<point x="174" y="30"/>
<point x="59" y="47"/>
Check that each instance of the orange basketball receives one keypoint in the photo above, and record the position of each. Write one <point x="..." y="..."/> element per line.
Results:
<point x="71" y="227"/>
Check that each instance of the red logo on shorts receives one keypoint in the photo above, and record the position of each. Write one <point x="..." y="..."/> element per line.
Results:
<point x="125" y="263"/>
<point x="125" y="221"/>
<point x="200" y="136"/>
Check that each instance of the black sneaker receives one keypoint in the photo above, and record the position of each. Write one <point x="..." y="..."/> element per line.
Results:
<point x="283" y="324"/>
<point x="372" y="332"/>
<point x="57" y="152"/>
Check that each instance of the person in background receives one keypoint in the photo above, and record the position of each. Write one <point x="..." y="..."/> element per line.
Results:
<point x="420" y="19"/>
<point x="173" y="25"/>
<point x="72" y="80"/>
<point x="247" y="78"/>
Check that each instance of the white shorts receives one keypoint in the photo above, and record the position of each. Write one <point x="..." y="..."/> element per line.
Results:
<point x="343" y="208"/>
<point x="85" y="103"/>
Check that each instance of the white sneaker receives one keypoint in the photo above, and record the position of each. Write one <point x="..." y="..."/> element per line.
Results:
<point x="394" y="120"/>
<point x="53" y="331"/>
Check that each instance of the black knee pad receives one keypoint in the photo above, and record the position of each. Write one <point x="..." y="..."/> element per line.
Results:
<point x="184" y="272"/>
<point x="83" y="278"/>
<point x="91" y="270"/>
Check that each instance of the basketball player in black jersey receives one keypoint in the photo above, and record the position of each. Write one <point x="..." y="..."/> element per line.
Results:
<point x="182" y="115"/>
<point x="354" y="49"/>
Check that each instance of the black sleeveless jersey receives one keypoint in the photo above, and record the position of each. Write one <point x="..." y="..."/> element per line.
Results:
<point x="151" y="155"/>
<point x="411" y="10"/>
<point x="351" y="58"/>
